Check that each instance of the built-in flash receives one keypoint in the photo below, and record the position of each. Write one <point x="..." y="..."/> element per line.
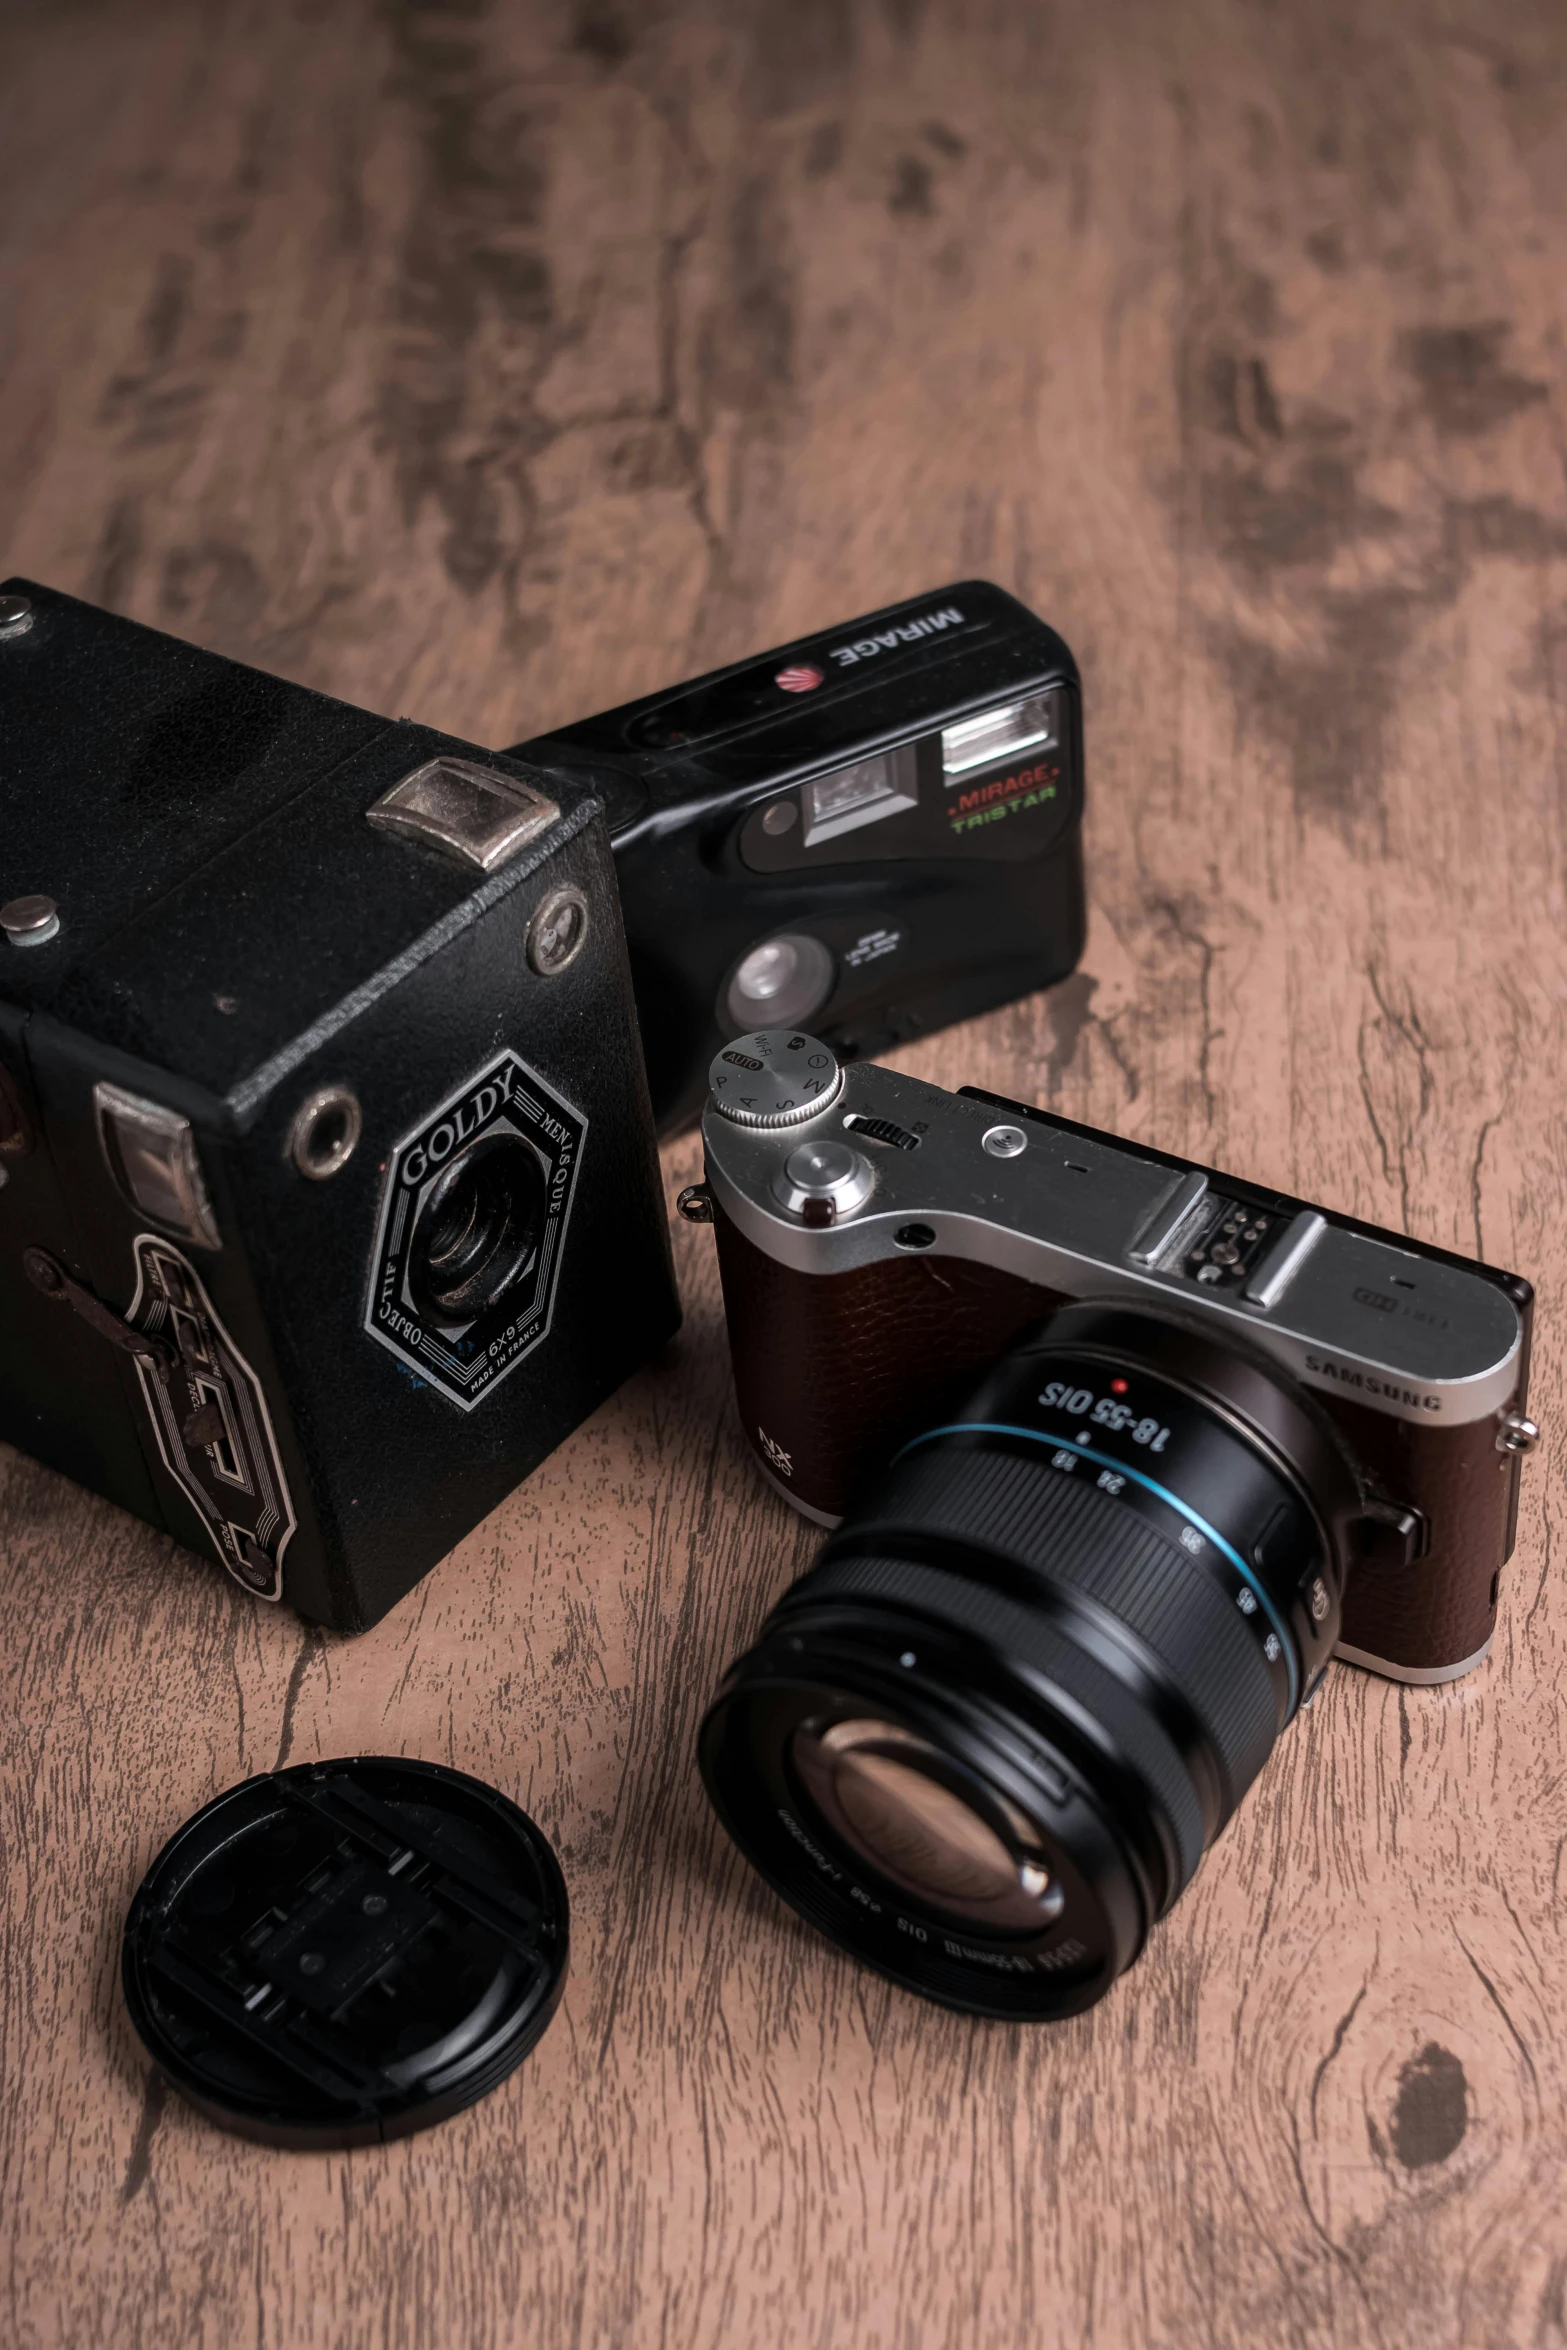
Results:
<point x="999" y="734"/>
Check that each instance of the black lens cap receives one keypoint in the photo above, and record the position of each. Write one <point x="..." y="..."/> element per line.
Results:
<point x="346" y="1952"/>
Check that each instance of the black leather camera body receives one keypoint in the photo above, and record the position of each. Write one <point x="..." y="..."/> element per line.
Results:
<point x="869" y="833"/>
<point x="329" y="1201"/>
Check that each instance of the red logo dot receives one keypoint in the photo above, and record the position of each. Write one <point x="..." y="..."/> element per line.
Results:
<point x="1118" y="1387"/>
<point x="799" y="678"/>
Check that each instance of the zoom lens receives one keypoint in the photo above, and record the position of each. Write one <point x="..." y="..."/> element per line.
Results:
<point x="477" y="1230"/>
<point x="986" y="1741"/>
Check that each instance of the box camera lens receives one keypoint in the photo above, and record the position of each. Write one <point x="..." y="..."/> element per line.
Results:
<point x="477" y="1230"/>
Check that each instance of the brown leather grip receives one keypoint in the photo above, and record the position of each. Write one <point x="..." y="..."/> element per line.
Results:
<point x="1442" y="1608"/>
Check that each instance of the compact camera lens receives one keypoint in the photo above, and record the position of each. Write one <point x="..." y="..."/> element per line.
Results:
<point x="986" y="1741"/>
<point x="781" y="983"/>
<point x="476" y="1230"/>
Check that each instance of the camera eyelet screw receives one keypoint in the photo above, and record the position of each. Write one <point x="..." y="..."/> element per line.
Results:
<point x="695" y="1204"/>
<point x="558" y="932"/>
<point x="1517" y="1433"/>
<point x="30" y="921"/>
<point x="16" y="617"/>
<point x="325" y="1132"/>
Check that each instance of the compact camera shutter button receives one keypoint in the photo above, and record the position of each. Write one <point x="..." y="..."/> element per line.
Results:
<point x="346" y="1952"/>
<point x="821" y="1181"/>
<point x="774" y="1077"/>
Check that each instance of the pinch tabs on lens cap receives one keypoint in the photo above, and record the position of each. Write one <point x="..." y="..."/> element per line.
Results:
<point x="346" y="1952"/>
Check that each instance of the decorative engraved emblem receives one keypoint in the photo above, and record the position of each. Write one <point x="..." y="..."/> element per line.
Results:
<point x="468" y="1361"/>
<point x="209" y="1416"/>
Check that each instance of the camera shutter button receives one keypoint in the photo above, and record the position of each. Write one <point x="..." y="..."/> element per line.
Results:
<point x="821" y="1181"/>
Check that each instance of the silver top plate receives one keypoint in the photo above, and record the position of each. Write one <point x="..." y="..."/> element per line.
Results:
<point x="1420" y="1340"/>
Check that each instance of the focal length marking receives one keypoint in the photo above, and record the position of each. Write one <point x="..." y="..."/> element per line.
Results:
<point x="1104" y="1460"/>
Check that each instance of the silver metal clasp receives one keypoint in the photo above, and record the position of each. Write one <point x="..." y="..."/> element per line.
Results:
<point x="474" y="814"/>
<point x="151" y="1153"/>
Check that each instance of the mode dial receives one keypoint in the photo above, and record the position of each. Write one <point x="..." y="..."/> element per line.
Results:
<point x="774" y="1077"/>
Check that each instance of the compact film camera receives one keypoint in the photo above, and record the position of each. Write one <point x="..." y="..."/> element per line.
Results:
<point x="1128" y="1449"/>
<point x="330" y="1199"/>
<point x="871" y="833"/>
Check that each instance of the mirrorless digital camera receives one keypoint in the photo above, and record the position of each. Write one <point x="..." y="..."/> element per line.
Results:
<point x="329" y="1200"/>
<point x="872" y="832"/>
<point x="1124" y="1450"/>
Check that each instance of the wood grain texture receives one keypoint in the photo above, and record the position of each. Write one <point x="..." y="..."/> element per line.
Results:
<point x="490" y="363"/>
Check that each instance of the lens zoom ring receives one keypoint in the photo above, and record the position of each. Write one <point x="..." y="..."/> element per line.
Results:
<point x="1017" y="1632"/>
<point x="1082" y="1538"/>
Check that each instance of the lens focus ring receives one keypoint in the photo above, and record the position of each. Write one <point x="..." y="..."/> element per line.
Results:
<point x="1079" y="1538"/>
<point x="965" y="1605"/>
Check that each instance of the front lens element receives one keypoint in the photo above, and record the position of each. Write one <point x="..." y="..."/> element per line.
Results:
<point x="926" y="1824"/>
<point x="781" y="983"/>
<point x="767" y="970"/>
<point x="476" y="1231"/>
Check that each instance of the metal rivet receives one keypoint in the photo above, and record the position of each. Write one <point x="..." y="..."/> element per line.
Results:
<point x="312" y="1963"/>
<point x="16" y="616"/>
<point x="558" y="932"/>
<point x="374" y="1905"/>
<point x="1004" y="1142"/>
<point x="325" y="1131"/>
<point x="29" y="922"/>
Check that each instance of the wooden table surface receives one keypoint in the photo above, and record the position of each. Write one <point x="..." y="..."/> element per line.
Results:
<point x="490" y="363"/>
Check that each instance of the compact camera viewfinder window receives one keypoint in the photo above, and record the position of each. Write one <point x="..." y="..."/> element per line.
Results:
<point x="1000" y="734"/>
<point x="863" y="793"/>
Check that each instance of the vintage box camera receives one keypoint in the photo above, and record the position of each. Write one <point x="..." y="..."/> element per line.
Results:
<point x="330" y="1199"/>
<point x="872" y="832"/>
<point x="1126" y="1450"/>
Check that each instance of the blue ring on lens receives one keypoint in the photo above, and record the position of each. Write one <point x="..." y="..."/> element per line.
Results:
<point x="1162" y="1493"/>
